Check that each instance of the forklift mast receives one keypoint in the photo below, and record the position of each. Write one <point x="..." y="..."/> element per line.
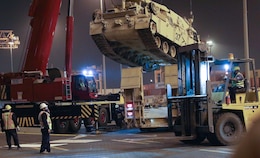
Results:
<point x="193" y="74"/>
<point x="193" y="71"/>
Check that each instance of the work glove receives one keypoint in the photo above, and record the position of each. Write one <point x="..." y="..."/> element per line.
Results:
<point x="18" y="128"/>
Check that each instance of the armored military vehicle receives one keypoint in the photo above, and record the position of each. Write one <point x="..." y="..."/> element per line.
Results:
<point x="141" y="33"/>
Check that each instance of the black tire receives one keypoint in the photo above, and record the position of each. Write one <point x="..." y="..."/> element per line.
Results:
<point x="89" y="124"/>
<point x="228" y="129"/>
<point x="103" y="117"/>
<point x="61" y="126"/>
<point x="75" y="124"/>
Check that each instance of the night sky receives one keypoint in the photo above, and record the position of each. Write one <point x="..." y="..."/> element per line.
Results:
<point x="218" y="20"/>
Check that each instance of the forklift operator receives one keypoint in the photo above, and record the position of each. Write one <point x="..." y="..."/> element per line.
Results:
<point x="237" y="84"/>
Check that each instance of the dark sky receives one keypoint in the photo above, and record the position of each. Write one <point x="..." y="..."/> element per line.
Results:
<point x="218" y="20"/>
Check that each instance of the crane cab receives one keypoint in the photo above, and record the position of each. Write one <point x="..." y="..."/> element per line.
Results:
<point x="83" y="87"/>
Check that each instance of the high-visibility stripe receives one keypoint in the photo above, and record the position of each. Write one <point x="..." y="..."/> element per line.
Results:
<point x="84" y="114"/>
<point x="25" y="121"/>
<point x="85" y="111"/>
<point x="96" y="112"/>
<point x="65" y="117"/>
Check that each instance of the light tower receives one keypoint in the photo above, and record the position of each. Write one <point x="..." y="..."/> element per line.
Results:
<point x="9" y="41"/>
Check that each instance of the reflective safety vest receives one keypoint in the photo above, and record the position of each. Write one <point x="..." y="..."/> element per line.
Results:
<point x="8" y="120"/>
<point x="48" y="119"/>
<point x="240" y="81"/>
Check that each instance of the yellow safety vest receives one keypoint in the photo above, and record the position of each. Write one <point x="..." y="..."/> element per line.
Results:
<point x="8" y="121"/>
<point x="48" y="119"/>
<point x="239" y="83"/>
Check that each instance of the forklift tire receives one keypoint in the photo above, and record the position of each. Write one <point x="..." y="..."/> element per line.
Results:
<point x="61" y="126"/>
<point x="75" y="124"/>
<point x="228" y="129"/>
<point x="103" y="117"/>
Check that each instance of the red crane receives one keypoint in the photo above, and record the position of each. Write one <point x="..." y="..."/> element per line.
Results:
<point x="56" y="85"/>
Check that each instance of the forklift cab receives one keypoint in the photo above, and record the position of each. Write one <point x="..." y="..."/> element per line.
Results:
<point x="221" y="71"/>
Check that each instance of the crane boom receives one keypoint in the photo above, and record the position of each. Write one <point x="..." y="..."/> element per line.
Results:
<point x="45" y="15"/>
<point x="69" y="35"/>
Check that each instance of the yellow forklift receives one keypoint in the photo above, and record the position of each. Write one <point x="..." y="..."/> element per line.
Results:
<point x="203" y="100"/>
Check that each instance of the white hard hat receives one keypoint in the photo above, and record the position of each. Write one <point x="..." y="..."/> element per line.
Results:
<point x="8" y="107"/>
<point x="43" y="105"/>
<point x="116" y="106"/>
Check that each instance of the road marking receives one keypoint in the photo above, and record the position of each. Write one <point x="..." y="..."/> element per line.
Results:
<point x="76" y="141"/>
<point x="37" y="146"/>
<point x="56" y="144"/>
<point x="129" y="141"/>
<point x="79" y="136"/>
<point x="59" y="148"/>
<point x="217" y="151"/>
<point x="144" y="140"/>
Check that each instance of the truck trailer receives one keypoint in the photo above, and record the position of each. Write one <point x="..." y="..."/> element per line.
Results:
<point x="146" y="104"/>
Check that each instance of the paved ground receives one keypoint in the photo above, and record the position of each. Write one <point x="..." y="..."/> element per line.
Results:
<point x="114" y="144"/>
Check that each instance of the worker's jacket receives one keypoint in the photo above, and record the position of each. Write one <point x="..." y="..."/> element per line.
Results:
<point x="7" y="121"/>
<point x="45" y="120"/>
<point x="239" y="83"/>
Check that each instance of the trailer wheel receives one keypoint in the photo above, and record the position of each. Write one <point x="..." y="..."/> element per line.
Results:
<point x="103" y="117"/>
<point x="89" y="124"/>
<point x="228" y="129"/>
<point x="61" y="126"/>
<point x="75" y="124"/>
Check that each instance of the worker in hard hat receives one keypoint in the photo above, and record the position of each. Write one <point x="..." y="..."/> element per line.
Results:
<point x="119" y="116"/>
<point x="237" y="83"/>
<point x="46" y="127"/>
<point x="9" y="126"/>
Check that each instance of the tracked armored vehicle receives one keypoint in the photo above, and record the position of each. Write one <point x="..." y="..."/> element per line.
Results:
<point x="141" y="33"/>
